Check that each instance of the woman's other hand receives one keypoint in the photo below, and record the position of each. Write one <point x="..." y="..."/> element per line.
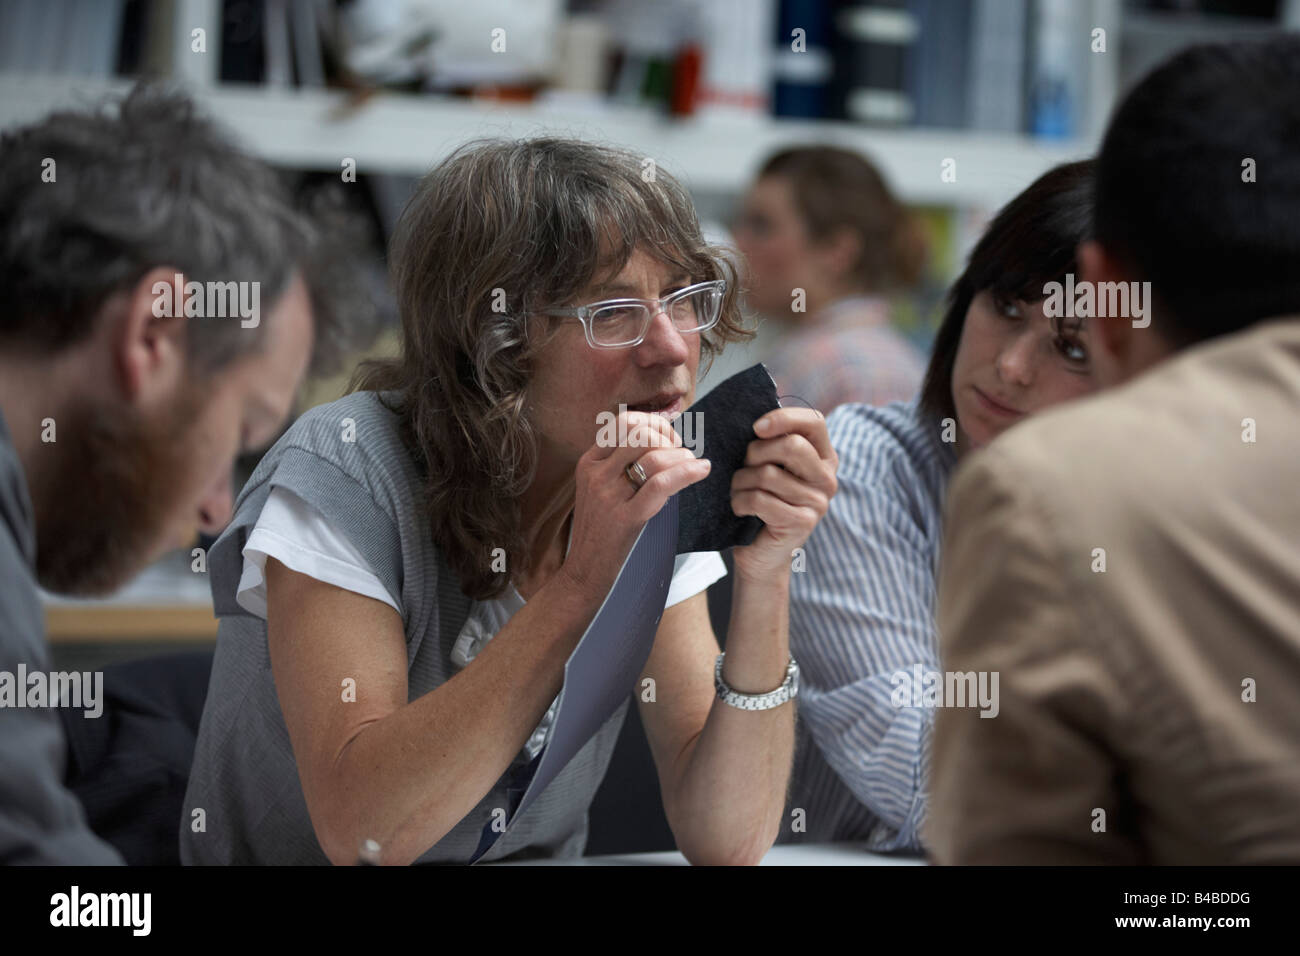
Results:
<point x="788" y="481"/>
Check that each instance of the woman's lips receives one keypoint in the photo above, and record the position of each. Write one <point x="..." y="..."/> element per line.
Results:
<point x="670" y="409"/>
<point x="996" y="407"/>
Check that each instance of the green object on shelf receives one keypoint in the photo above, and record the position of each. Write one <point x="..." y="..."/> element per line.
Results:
<point x="658" y="81"/>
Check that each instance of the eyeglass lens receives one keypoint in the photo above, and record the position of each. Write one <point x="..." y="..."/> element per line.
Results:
<point x="623" y="324"/>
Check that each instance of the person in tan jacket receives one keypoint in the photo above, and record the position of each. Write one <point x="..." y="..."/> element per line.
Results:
<point x="1128" y="565"/>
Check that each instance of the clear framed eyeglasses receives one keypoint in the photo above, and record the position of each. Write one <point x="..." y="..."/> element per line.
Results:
<point x="623" y="323"/>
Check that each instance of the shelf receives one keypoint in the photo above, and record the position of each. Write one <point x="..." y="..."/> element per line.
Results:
<point x="405" y="134"/>
<point x="166" y="601"/>
<point x="117" y="624"/>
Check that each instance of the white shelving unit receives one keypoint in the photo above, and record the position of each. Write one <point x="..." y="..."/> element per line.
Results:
<point x="396" y="133"/>
<point x="714" y="156"/>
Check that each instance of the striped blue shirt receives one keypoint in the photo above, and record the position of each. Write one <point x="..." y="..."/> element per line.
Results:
<point x="862" y="610"/>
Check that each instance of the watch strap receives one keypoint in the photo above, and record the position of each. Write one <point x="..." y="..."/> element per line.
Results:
<point x="788" y="690"/>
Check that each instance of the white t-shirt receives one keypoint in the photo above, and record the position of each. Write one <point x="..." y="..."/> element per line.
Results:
<point x="297" y="535"/>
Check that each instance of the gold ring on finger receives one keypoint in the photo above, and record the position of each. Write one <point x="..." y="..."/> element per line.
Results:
<point x="636" y="474"/>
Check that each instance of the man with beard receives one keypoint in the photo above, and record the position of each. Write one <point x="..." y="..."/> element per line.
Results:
<point x="120" y="417"/>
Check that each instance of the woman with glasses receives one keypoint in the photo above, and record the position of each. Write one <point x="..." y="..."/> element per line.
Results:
<point x="410" y="567"/>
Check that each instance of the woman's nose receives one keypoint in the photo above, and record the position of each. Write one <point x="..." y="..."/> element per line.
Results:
<point x="1016" y="360"/>
<point x="663" y="343"/>
<point x="216" y="507"/>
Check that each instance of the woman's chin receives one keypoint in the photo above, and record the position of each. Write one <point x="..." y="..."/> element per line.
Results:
<point x="977" y="436"/>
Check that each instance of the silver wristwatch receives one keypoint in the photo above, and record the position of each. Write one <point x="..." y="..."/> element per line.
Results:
<point x="787" y="691"/>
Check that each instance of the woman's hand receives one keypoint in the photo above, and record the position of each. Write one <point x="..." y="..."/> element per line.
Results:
<point x="609" y="510"/>
<point x="788" y="481"/>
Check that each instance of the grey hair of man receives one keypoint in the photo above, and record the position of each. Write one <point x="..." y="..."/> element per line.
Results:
<point x="92" y="200"/>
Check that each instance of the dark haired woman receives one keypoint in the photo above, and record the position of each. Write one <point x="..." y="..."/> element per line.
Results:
<point x="410" y="567"/>
<point x="862" y="615"/>
<point x="826" y="243"/>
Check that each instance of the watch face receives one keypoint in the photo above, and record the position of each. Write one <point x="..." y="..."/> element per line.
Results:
<point x="794" y="679"/>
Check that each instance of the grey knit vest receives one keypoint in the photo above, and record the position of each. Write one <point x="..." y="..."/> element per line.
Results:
<point x="347" y="459"/>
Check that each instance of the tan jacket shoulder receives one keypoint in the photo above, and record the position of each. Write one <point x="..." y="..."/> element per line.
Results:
<point x="1148" y="540"/>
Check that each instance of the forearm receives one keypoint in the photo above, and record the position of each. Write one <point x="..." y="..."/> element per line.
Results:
<point x="727" y="802"/>
<point x="406" y="780"/>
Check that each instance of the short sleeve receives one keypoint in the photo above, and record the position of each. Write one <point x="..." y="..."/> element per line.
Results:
<point x="297" y="535"/>
<point x="693" y="573"/>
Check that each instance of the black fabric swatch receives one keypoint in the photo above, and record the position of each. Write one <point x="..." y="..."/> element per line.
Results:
<point x="727" y="416"/>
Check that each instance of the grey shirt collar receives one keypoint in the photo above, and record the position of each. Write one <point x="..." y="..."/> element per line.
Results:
<point x="15" y="503"/>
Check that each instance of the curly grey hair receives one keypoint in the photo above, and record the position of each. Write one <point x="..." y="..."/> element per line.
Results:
<point x="536" y="220"/>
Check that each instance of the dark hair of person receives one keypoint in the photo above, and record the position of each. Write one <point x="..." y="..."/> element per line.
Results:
<point x="1198" y="187"/>
<point x="1030" y="242"/>
<point x="836" y="189"/>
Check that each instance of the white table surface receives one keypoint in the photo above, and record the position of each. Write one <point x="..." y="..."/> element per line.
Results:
<point x="815" y="854"/>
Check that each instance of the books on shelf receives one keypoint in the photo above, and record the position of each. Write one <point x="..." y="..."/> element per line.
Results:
<point x="1060" y="36"/>
<point x="874" y="42"/>
<point x="938" y="74"/>
<point x="737" y="54"/>
<point x="997" y="66"/>
<point x="802" y="59"/>
<point x="1002" y="66"/>
<point x="72" y="37"/>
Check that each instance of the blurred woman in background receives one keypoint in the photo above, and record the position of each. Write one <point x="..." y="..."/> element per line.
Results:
<point x="826" y="243"/>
